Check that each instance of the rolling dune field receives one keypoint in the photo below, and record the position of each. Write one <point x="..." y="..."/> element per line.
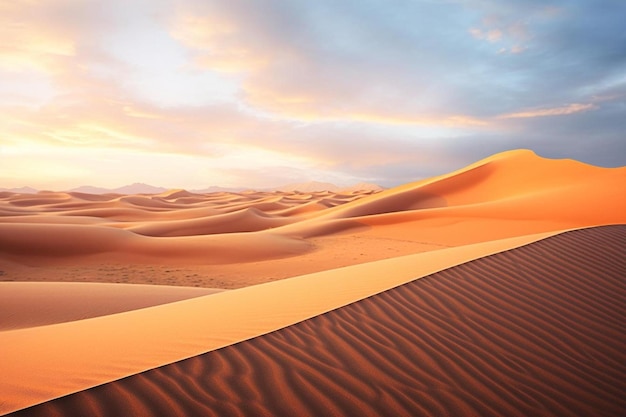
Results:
<point x="497" y="289"/>
<point x="537" y="330"/>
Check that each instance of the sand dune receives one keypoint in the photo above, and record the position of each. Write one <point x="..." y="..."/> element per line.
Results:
<point x="245" y="220"/>
<point x="501" y="325"/>
<point x="32" y="304"/>
<point x="42" y="244"/>
<point x="516" y="185"/>
<point x="492" y="199"/>
<point x="239" y="239"/>
<point x="131" y="342"/>
<point x="518" y="333"/>
<point x="495" y="198"/>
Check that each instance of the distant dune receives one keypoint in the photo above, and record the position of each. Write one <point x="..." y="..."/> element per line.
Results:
<point x="493" y="290"/>
<point x="140" y="188"/>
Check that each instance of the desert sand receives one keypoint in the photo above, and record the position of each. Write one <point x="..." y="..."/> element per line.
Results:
<point x="493" y="290"/>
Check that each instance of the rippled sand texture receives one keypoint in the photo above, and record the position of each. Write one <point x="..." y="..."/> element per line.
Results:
<point x="494" y="328"/>
<point x="534" y="331"/>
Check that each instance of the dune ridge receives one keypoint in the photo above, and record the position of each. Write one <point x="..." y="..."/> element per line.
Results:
<point x="77" y="355"/>
<point x="502" y="196"/>
<point x="536" y="330"/>
<point x="338" y="249"/>
<point x="516" y="185"/>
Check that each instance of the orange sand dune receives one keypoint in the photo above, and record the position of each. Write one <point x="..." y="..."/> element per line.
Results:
<point x="38" y="244"/>
<point x="523" y="332"/>
<point x="76" y="355"/>
<point x="93" y="197"/>
<point x="130" y="229"/>
<point x="149" y="202"/>
<point x="302" y="209"/>
<point x="245" y="220"/>
<point x="252" y="237"/>
<point x="176" y="194"/>
<point x="124" y="214"/>
<point x="537" y="330"/>
<point x="515" y="185"/>
<point x="269" y="205"/>
<point x="51" y="219"/>
<point x="30" y="304"/>
<point x="41" y="198"/>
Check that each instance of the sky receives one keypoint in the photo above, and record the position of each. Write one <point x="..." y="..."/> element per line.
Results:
<point x="260" y="93"/>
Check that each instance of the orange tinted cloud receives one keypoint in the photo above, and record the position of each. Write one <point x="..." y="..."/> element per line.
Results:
<point x="29" y="39"/>
<point x="306" y="80"/>
<point x="492" y="35"/>
<point x="217" y="44"/>
<point x="318" y="103"/>
<point x="281" y="80"/>
<point x="554" y="111"/>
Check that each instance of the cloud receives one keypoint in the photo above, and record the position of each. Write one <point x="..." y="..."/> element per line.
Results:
<point x="319" y="61"/>
<point x="493" y="35"/>
<point x="82" y="121"/>
<point x="555" y="111"/>
<point x="323" y="61"/>
<point x="367" y="90"/>
<point x="31" y="41"/>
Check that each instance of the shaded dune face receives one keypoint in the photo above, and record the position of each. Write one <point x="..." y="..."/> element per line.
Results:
<point x="534" y="331"/>
<point x="28" y="304"/>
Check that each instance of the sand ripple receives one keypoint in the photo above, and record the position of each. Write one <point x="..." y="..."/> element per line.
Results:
<point x="535" y="331"/>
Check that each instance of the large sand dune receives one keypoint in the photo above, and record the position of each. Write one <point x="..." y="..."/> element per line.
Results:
<point x="537" y="330"/>
<point x="238" y="239"/>
<point x="515" y="316"/>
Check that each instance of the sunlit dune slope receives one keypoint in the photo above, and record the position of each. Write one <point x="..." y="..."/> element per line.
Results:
<point x="514" y="186"/>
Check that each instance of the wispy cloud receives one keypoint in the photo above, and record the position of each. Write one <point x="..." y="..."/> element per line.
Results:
<point x="554" y="111"/>
<point x="492" y="35"/>
<point x="326" y="89"/>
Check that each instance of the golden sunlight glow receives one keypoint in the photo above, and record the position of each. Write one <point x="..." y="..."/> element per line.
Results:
<point x="190" y="89"/>
<point x="95" y="135"/>
<point x="133" y="112"/>
<point x="33" y="45"/>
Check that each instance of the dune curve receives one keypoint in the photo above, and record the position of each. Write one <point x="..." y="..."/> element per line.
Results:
<point x="131" y="342"/>
<point x="537" y="330"/>
<point x="30" y="304"/>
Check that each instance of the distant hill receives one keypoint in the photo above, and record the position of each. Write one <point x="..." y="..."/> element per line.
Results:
<point x="141" y="188"/>
<point x="136" y="188"/>
<point x="20" y="190"/>
<point x="88" y="189"/>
